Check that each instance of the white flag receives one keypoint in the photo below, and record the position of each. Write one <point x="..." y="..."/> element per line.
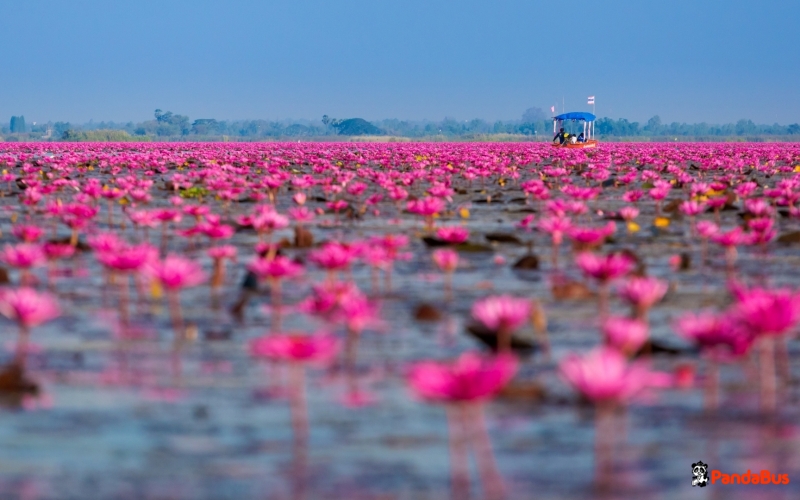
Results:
<point x="591" y="99"/>
<point x="552" y="109"/>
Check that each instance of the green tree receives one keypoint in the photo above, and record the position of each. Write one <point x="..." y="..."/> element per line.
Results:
<point x="653" y="126"/>
<point x="534" y="115"/>
<point x="18" y="125"/>
<point x="205" y="126"/>
<point x="171" y="124"/>
<point x="356" y="126"/>
<point x="745" y="127"/>
<point x="60" y="127"/>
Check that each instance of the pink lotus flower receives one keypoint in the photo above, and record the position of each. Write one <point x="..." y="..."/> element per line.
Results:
<point x="758" y="207"/>
<point x="604" y="268"/>
<point x="628" y="213"/>
<point x="216" y="230"/>
<point x="277" y="268"/>
<point x="266" y="220"/>
<point x="332" y="256"/>
<point x="167" y="215"/>
<point x="692" y="208"/>
<point x="453" y="234"/>
<point x="626" y="335"/>
<point x="502" y="312"/>
<point x="301" y="214"/>
<point x="730" y="239"/>
<point x="706" y="228"/>
<point x="471" y="377"/>
<point x="469" y="381"/>
<point x="175" y="272"/>
<point x="427" y="207"/>
<point x="768" y="312"/>
<point x="375" y="256"/>
<point x="295" y="347"/>
<point x="222" y="252"/>
<point x="105" y="242"/>
<point x="392" y="243"/>
<point x="28" y="307"/>
<point x="128" y="258"/>
<point x="590" y="236"/>
<point x="55" y="251"/>
<point x="28" y="234"/>
<point x="632" y="196"/>
<point x="358" y="312"/>
<point x="326" y="300"/>
<point x="23" y="255"/>
<point x="710" y="331"/>
<point x="643" y="293"/>
<point x="337" y="205"/>
<point x="604" y="376"/>
<point x="446" y="259"/>
<point x="556" y="226"/>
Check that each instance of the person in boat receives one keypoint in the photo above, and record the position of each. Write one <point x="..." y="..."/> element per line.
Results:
<point x="561" y="137"/>
<point x="581" y="138"/>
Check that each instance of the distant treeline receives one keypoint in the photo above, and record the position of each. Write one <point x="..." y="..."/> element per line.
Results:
<point x="534" y="124"/>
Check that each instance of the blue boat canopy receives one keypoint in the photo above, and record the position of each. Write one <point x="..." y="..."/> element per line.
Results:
<point x="576" y="115"/>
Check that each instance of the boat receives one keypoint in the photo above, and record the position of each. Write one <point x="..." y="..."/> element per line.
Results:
<point x="574" y="118"/>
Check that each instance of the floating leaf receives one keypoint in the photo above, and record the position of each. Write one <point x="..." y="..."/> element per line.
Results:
<point x="427" y="312"/>
<point x="503" y="238"/>
<point x="790" y="237"/>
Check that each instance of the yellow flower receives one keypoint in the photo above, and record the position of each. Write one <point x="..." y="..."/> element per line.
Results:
<point x="464" y="213"/>
<point x="155" y="290"/>
<point x="661" y="222"/>
<point x="633" y="227"/>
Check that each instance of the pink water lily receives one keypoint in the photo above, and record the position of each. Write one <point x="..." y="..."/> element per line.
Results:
<point x="605" y="376"/>
<point x="502" y="314"/>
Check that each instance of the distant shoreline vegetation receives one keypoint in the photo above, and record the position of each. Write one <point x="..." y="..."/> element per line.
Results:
<point x="535" y="125"/>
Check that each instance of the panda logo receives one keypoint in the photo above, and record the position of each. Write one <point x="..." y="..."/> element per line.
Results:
<point x="700" y="474"/>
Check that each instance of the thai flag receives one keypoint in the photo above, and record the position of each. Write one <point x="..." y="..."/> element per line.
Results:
<point x="591" y="99"/>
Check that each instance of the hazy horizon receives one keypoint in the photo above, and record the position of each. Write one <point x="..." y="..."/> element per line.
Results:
<point x="714" y="62"/>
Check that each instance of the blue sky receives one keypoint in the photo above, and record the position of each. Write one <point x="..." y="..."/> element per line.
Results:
<point x="702" y="60"/>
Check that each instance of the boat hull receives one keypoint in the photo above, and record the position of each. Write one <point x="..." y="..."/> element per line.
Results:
<point x="590" y="144"/>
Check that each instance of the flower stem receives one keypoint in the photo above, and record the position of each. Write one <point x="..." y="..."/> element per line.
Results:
<point x="459" y="463"/>
<point x="769" y="383"/>
<point x="491" y="480"/>
<point x="175" y="312"/>
<point x="300" y="428"/>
